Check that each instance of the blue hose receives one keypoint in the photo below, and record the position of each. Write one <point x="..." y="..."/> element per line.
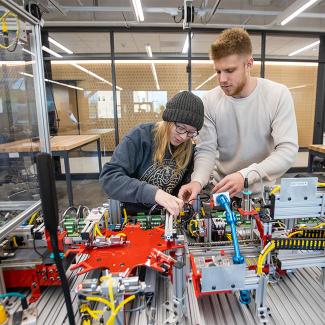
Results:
<point x="16" y="294"/>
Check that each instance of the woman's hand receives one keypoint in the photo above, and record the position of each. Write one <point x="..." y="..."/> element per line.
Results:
<point x="190" y="191"/>
<point x="171" y="203"/>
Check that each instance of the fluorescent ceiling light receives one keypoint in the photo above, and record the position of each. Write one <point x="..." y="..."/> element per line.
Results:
<point x="299" y="87"/>
<point x="59" y="45"/>
<point x="186" y="44"/>
<point x="148" y="49"/>
<point x="52" y="81"/>
<point x="16" y="63"/>
<point x="63" y="84"/>
<point x="29" y="52"/>
<point x="26" y="74"/>
<point x="154" y="73"/>
<point x="293" y="64"/>
<point x="80" y="61"/>
<point x="46" y="49"/>
<point x="307" y="47"/>
<point x="204" y="82"/>
<point x="138" y="10"/>
<point x="94" y="75"/>
<point x="298" y="11"/>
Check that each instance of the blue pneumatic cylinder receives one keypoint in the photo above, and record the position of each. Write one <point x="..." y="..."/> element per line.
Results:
<point x="231" y="220"/>
<point x="237" y="258"/>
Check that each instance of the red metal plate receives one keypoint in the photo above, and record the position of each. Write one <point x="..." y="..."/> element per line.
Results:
<point x="128" y="256"/>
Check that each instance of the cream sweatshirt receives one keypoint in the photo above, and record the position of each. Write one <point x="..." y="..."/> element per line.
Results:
<point x="258" y="132"/>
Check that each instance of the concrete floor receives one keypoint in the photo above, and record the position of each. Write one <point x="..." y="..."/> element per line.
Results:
<point x="86" y="192"/>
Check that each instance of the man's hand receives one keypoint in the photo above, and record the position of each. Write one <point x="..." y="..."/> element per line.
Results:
<point x="189" y="192"/>
<point x="171" y="203"/>
<point x="232" y="183"/>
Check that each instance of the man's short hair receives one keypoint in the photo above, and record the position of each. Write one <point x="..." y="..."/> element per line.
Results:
<point x="229" y="42"/>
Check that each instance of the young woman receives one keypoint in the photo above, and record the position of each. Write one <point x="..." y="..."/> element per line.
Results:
<point x="153" y="160"/>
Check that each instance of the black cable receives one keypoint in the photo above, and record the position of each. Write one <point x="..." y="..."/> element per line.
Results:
<point x="177" y="21"/>
<point x="153" y="209"/>
<point x="34" y="245"/>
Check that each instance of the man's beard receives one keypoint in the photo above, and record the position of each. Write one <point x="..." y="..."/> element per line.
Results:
<point x="236" y="91"/>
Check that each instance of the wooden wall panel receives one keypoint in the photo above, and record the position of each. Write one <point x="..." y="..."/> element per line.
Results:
<point x="301" y="81"/>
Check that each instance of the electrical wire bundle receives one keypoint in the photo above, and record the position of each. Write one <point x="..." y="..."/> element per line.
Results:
<point x="10" y="46"/>
<point x="108" y="303"/>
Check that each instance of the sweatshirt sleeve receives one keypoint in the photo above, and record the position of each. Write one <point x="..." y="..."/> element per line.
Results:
<point x="206" y="149"/>
<point x="285" y="137"/>
<point x="116" y="177"/>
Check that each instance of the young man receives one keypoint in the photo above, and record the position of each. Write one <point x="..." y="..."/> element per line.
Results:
<point x="249" y="124"/>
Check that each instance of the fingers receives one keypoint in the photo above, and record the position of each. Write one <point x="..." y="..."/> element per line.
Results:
<point x="226" y="185"/>
<point x="192" y="198"/>
<point x="189" y="192"/>
<point x="171" y="203"/>
<point x="174" y="206"/>
<point x="184" y="193"/>
<point x="220" y="185"/>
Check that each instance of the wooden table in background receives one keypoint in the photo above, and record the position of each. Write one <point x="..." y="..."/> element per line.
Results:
<point x="61" y="146"/>
<point x="315" y="150"/>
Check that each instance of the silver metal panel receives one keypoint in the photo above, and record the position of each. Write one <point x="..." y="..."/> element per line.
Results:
<point x="297" y="189"/>
<point x="218" y="278"/>
<point x="298" y="199"/>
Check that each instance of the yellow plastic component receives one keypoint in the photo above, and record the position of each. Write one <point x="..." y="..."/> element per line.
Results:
<point x="295" y="233"/>
<point x="276" y="189"/>
<point x="125" y="217"/>
<point x="3" y="315"/>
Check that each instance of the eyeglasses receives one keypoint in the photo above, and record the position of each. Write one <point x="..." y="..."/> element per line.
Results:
<point x="181" y="130"/>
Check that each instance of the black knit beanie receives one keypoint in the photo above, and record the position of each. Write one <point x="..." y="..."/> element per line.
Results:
<point x="185" y="108"/>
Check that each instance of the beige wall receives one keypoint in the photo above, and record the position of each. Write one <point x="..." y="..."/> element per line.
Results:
<point x="302" y="82"/>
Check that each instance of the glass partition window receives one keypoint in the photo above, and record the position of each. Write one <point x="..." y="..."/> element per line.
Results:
<point x="80" y="43"/>
<point x="101" y="104"/>
<point x="149" y="101"/>
<point x="289" y="47"/>
<point x="87" y="107"/>
<point x="21" y="135"/>
<point x="301" y="79"/>
<point x="161" y="44"/>
<point x="147" y="85"/>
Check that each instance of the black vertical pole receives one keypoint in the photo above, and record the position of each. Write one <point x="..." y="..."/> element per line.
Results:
<point x="51" y="220"/>
<point x="319" y="124"/>
<point x="189" y="64"/>
<point x="263" y="55"/>
<point x="114" y="89"/>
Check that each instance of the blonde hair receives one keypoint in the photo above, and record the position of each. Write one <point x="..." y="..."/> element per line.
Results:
<point x="229" y="42"/>
<point x="182" y="153"/>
